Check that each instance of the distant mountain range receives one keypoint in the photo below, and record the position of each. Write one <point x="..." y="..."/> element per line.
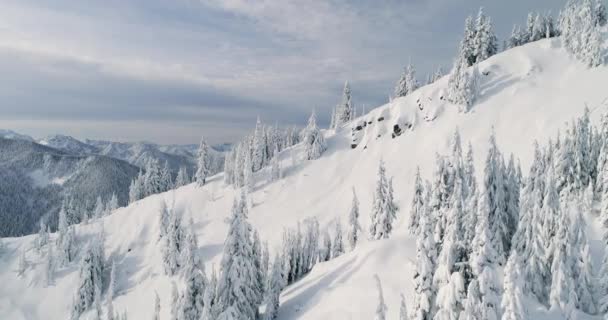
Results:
<point x="39" y="173"/>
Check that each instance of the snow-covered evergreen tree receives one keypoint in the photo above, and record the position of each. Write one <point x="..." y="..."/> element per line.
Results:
<point x="500" y="220"/>
<point x="112" y="204"/>
<point x="462" y="87"/>
<point x="248" y="182"/>
<point x="90" y="278"/>
<point x="381" y="308"/>
<point x="112" y="283"/>
<point x="407" y="83"/>
<point x="483" y="262"/>
<point x="43" y="236"/>
<point x="384" y="209"/>
<point x="425" y="267"/>
<point x="337" y="248"/>
<point x="354" y="228"/>
<point x="49" y="267"/>
<point x="258" y="152"/>
<point x="191" y="300"/>
<point x="203" y="162"/>
<point x="561" y="268"/>
<point x="313" y="139"/>
<point x="325" y="249"/>
<point x="344" y="111"/>
<point x="418" y="206"/>
<point x="236" y="292"/>
<point x="512" y="304"/>
<point x="275" y="168"/>
<point x="471" y="309"/>
<point x="172" y="244"/>
<point x="275" y="285"/>
<point x="182" y="178"/>
<point x="450" y="298"/>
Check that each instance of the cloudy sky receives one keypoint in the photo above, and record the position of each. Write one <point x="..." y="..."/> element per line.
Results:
<point x="170" y="71"/>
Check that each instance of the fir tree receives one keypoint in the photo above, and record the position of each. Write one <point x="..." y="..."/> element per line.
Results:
<point x="202" y="169"/>
<point x="354" y="228"/>
<point x="344" y="111"/>
<point x="512" y="304"/>
<point x="182" y="178"/>
<point x="236" y="291"/>
<point x="417" y="203"/>
<point x="337" y="248"/>
<point x="483" y="262"/>
<point x="275" y="169"/>
<point x="49" y="267"/>
<point x="384" y="209"/>
<point x="275" y="285"/>
<point x="313" y="139"/>
<point x="325" y="250"/>
<point x="425" y="267"/>
<point x="472" y="304"/>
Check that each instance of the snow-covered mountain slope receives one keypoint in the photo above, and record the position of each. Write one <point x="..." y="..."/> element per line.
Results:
<point x="527" y="93"/>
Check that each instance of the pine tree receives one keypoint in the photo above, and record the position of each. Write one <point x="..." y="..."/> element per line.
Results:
<point x="275" y="285"/>
<point x="236" y="291"/>
<point x="172" y="244"/>
<point x="165" y="178"/>
<point x="248" y="182"/>
<point x="49" y="267"/>
<point x="191" y="300"/>
<point x="257" y="262"/>
<point x="182" y="178"/>
<point x="164" y="219"/>
<point x="425" y="267"/>
<point x="381" y="309"/>
<point x="313" y="139"/>
<point x="354" y="228"/>
<point x="43" y="237"/>
<point x="98" y="211"/>
<point x="344" y="111"/>
<point x="203" y="163"/>
<point x="90" y="276"/>
<point x="112" y="283"/>
<point x="258" y="155"/>
<point x="462" y="86"/>
<point x="417" y="209"/>
<point x="483" y="262"/>
<point x="275" y="169"/>
<point x="384" y="209"/>
<point x="582" y="264"/>
<point x="561" y="270"/>
<point x="337" y="248"/>
<point x="512" y="304"/>
<point x="450" y="298"/>
<point x="471" y="308"/>
<point x="112" y="204"/>
<point x="500" y="220"/>
<point x="401" y="86"/>
<point x="325" y="250"/>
